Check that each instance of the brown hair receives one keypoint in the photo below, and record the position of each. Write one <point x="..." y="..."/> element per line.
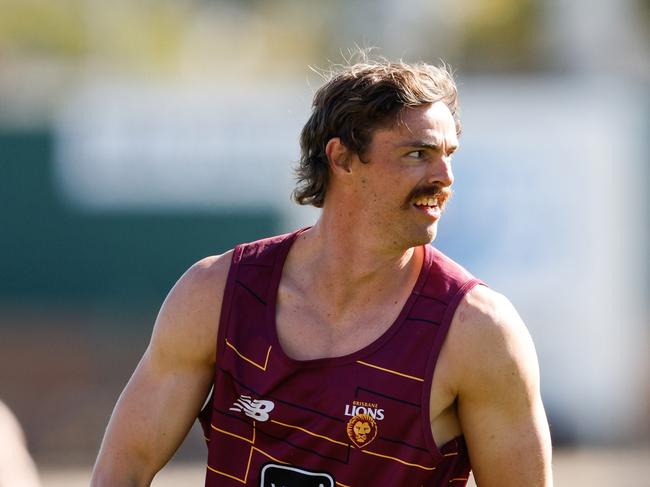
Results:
<point x="357" y="99"/>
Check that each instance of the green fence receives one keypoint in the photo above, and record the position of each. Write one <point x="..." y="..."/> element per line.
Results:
<point x="52" y="253"/>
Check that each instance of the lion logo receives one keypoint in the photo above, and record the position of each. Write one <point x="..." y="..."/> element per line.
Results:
<point x="362" y="429"/>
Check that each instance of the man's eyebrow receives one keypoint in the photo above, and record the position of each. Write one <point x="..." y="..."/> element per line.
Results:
<point x="427" y="145"/>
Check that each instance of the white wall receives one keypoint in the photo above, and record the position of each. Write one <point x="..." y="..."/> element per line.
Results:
<point x="550" y="209"/>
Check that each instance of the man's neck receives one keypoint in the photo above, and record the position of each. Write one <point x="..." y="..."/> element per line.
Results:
<point x="346" y="267"/>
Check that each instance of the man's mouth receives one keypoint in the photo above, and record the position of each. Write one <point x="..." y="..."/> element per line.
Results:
<point x="431" y="200"/>
<point x="427" y="202"/>
<point x="432" y="203"/>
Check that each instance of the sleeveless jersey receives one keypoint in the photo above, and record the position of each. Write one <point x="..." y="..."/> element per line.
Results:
<point x="352" y="421"/>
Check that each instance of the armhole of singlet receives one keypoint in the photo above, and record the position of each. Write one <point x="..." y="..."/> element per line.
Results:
<point x="226" y="302"/>
<point x="224" y="318"/>
<point x="433" y="360"/>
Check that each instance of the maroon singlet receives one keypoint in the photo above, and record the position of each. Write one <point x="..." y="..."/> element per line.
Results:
<point x="354" y="421"/>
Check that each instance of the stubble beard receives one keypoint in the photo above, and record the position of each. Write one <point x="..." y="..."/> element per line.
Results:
<point x="426" y="236"/>
<point x="412" y="235"/>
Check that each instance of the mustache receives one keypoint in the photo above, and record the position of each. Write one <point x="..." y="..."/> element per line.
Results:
<point x="437" y="191"/>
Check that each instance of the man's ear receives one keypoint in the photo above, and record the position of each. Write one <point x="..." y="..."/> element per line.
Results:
<point x="339" y="157"/>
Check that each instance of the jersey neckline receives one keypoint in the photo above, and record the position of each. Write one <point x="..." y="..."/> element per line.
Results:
<point x="271" y="317"/>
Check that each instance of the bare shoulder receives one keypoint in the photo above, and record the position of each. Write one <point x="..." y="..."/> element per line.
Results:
<point x="496" y="379"/>
<point x="186" y="326"/>
<point x="491" y="344"/>
<point x="202" y="279"/>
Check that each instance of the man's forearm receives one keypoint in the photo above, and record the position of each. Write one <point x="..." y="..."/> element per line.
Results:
<point x="119" y="474"/>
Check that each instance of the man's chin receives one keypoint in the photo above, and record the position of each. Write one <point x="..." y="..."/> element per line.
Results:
<point x="432" y="234"/>
<point x="425" y="236"/>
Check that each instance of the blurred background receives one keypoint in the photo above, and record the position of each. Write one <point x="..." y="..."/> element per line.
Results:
<point x="137" y="137"/>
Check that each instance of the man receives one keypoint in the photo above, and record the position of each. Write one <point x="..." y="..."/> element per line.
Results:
<point x="322" y="344"/>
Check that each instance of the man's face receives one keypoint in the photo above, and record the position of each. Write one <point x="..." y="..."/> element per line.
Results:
<point x="407" y="178"/>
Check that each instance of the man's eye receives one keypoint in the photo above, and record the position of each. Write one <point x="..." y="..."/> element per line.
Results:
<point x="417" y="154"/>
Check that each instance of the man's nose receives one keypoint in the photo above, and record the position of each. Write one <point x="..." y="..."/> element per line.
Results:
<point x="441" y="172"/>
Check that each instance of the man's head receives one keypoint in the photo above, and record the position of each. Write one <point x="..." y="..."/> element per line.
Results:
<point x="356" y="101"/>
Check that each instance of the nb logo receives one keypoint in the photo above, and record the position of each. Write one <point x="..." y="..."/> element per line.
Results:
<point x="257" y="409"/>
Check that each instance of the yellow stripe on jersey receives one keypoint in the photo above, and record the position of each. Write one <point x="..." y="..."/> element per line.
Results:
<point x="269" y="456"/>
<point x="247" y="440"/>
<point x="310" y="433"/>
<point x="248" y="465"/>
<point x="398" y="460"/>
<point x="390" y="371"/>
<point x="261" y="367"/>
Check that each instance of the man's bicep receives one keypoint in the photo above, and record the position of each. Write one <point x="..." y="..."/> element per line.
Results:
<point x="152" y="417"/>
<point x="499" y="403"/>
<point x="508" y="444"/>
<point x="163" y="397"/>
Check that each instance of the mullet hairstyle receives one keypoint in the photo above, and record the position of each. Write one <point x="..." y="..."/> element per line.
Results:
<point x="356" y="100"/>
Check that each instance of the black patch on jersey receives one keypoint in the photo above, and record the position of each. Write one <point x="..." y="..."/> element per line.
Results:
<point x="274" y="475"/>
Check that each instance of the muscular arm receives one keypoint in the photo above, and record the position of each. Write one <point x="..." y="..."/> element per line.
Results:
<point x="499" y="403"/>
<point x="169" y="385"/>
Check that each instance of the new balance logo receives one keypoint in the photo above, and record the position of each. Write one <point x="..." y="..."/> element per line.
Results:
<point x="257" y="409"/>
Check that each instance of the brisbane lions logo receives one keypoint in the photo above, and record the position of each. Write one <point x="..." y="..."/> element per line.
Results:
<point x="362" y="429"/>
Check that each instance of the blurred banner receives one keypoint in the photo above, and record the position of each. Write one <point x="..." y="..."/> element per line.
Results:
<point x="165" y="148"/>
